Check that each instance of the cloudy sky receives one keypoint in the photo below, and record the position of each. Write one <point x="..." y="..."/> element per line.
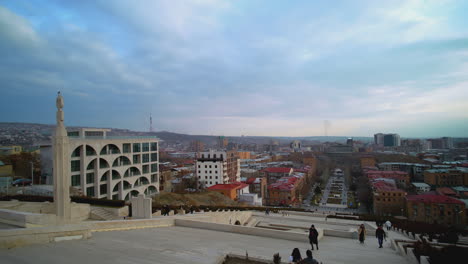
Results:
<point x="243" y="67"/>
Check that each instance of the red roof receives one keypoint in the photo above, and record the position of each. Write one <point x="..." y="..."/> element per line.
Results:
<point x="228" y="186"/>
<point x="446" y="191"/>
<point x="284" y="184"/>
<point x="383" y="186"/>
<point x="250" y="180"/>
<point x="278" y="170"/>
<point x="433" y="198"/>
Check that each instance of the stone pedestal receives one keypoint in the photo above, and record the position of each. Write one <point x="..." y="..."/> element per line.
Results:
<point x="141" y="207"/>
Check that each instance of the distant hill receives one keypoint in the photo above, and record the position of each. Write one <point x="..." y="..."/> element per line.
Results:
<point x="27" y="134"/>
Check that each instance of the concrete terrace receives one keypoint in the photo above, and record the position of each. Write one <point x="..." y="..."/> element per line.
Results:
<point x="189" y="245"/>
<point x="177" y="244"/>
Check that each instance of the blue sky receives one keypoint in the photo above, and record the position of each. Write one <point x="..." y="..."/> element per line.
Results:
<point x="245" y="67"/>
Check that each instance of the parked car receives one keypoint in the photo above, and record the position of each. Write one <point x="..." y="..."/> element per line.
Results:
<point x="21" y="182"/>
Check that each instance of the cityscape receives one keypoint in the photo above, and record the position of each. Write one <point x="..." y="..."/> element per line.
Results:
<point x="202" y="131"/>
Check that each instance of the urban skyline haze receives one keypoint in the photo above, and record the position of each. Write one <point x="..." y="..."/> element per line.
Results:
<point x="255" y="68"/>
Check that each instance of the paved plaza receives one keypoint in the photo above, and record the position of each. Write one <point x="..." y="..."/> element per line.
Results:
<point x="188" y="245"/>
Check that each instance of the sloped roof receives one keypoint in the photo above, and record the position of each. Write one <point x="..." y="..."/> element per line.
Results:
<point x="278" y="169"/>
<point x="433" y="198"/>
<point x="229" y="186"/>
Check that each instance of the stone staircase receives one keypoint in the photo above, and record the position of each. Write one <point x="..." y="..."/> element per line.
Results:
<point x="99" y="213"/>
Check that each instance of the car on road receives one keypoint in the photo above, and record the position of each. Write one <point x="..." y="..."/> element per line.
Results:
<point x="21" y="182"/>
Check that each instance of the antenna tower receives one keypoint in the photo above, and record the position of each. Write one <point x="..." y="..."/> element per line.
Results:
<point x="151" y="124"/>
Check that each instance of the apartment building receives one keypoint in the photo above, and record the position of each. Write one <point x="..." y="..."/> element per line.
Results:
<point x="272" y="174"/>
<point x="388" y="199"/>
<point x="111" y="167"/>
<point x="435" y="208"/>
<point x="286" y="190"/>
<point x="446" y="177"/>
<point x="217" y="167"/>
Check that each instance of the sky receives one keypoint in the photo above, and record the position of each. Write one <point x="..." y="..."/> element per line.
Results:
<point x="243" y="67"/>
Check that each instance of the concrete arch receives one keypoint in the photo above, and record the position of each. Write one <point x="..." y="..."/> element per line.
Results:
<point x="141" y="181"/>
<point x="132" y="171"/>
<point x="76" y="152"/>
<point x="103" y="164"/>
<point x="91" y="165"/>
<point x="126" y="185"/>
<point x="151" y="190"/>
<point x="116" y="175"/>
<point x="121" y="161"/>
<point x="117" y="187"/>
<point x="130" y="194"/>
<point x="106" y="174"/>
<point x="110" y="149"/>
<point x="90" y="151"/>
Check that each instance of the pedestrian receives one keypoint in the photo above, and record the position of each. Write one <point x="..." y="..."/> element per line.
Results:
<point x="380" y="235"/>
<point x="309" y="259"/>
<point x="192" y="209"/>
<point x="388" y="224"/>
<point x="362" y="233"/>
<point x="295" y="256"/>
<point x="313" y="237"/>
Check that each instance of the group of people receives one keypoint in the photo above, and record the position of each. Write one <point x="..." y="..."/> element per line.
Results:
<point x="296" y="254"/>
<point x="313" y="240"/>
<point x="379" y="234"/>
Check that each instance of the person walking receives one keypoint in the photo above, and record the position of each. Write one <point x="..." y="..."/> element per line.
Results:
<point x="295" y="256"/>
<point x="380" y="235"/>
<point x="362" y="233"/>
<point x="309" y="259"/>
<point x="313" y="237"/>
<point x="388" y="224"/>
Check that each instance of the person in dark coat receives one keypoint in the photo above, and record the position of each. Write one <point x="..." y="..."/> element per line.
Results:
<point x="295" y="256"/>
<point x="313" y="237"/>
<point x="309" y="259"/>
<point x="362" y="233"/>
<point x="380" y="235"/>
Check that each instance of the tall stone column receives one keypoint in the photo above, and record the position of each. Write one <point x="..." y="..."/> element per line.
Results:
<point x="61" y="167"/>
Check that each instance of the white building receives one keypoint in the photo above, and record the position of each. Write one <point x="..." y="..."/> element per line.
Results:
<point x="112" y="167"/>
<point x="217" y="167"/>
<point x="421" y="187"/>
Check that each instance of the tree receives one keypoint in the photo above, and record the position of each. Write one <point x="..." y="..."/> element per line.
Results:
<point x="317" y="190"/>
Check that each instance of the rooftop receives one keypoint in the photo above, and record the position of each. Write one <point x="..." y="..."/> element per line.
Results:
<point x="433" y="198"/>
<point x="229" y="186"/>
<point x="277" y="170"/>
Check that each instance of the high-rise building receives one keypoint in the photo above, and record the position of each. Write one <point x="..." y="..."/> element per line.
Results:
<point x="387" y="140"/>
<point x="217" y="167"/>
<point x="379" y="139"/>
<point x="112" y="167"/>
<point x="441" y="143"/>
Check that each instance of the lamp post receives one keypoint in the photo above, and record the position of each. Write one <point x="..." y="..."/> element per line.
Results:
<point x="32" y="173"/>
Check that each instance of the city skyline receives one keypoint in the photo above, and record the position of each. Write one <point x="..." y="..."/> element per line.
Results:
<point x="255" y="68"/>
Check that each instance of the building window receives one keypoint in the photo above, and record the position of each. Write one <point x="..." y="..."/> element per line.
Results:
<point x="75" y="180"/>
<point x="216" y="166"/>
<point x="199" y="171"/>
<point x="126" y="148"/>
<point x="146" y="158"/>
<point x="210" y="177"/>
<point x="145" y="147"/>
<point x="210" y="172"/>
<point x="76" y="152"/>
<point x="136" y="147"/>
<point x="154" y="146"/>
<point x="90" y="177"/>
<point x="75" y="165"/>
<point x="103" y="189"/>
<point x="136" y="159"/>
<point x="90" y="191"/>
<point x="154" y="167"/>
<point x="154" y="156"/>
<point x="206" y="166"/>
<point x="216" y="177"/>
<point x="104" y="178"/>
<point x="145" y="168"/>
<point x="210" y="166"/>
<point x="206" y="171"/>
<point x="216" y="172"/>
